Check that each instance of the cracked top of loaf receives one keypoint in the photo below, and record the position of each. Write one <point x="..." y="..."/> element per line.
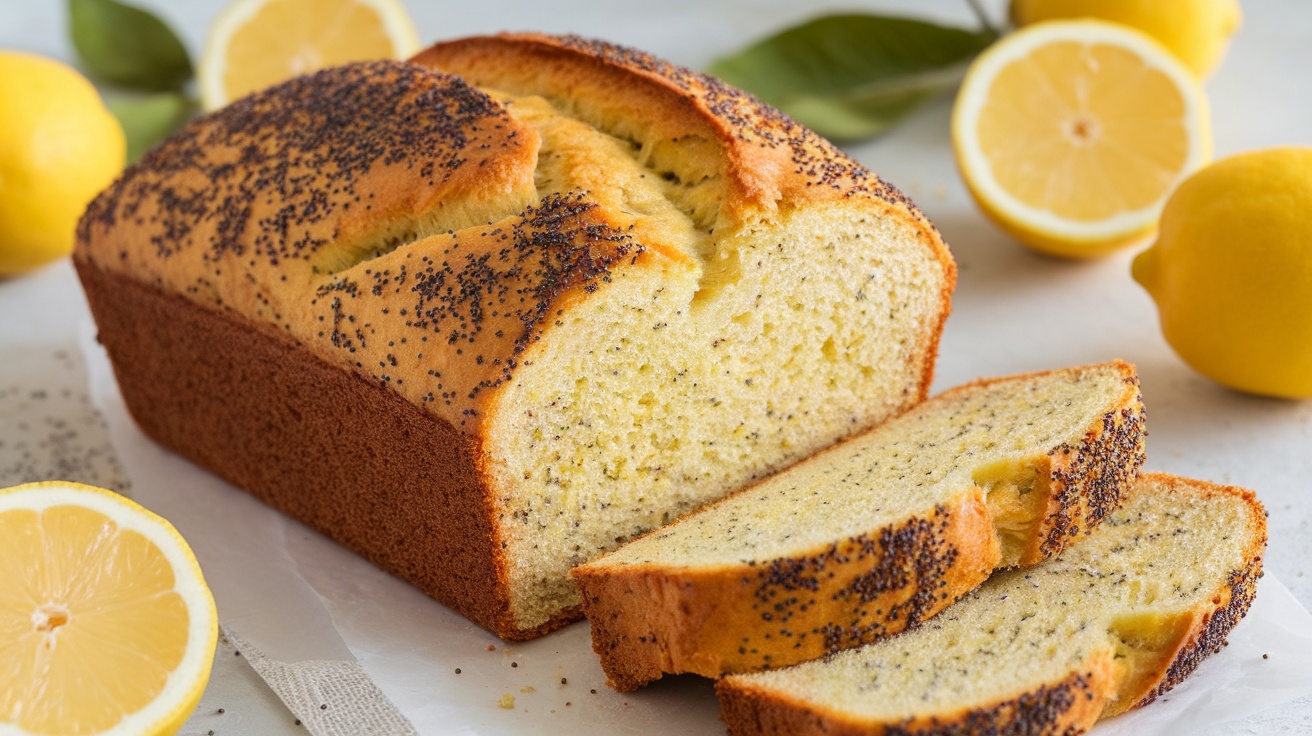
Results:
<point x="425" y="229"/>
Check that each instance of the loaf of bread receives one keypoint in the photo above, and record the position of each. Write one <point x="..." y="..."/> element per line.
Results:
<point x="873" y="535"/>
<point x="484" y="314"/>
<point x="1120" y="618"/>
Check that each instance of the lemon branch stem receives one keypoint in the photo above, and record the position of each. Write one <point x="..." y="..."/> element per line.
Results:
<point x="983" y="17"/>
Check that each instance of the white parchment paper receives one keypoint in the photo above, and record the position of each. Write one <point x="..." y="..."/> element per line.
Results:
<point x="298" y="596"/>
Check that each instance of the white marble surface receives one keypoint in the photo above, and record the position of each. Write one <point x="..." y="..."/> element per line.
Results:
<point x="1013" y="311"/>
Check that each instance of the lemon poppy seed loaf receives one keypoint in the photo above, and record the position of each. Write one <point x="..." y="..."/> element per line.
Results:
<point x="873" y="535"/>
<point x="486" y="313"/>
<point x="1120" y="618"/>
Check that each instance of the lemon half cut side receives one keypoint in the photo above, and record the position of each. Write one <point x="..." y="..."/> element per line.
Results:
<point x="1070" y="135"/>
<point x="106" y="624"/>
<point x="253" y="44"/>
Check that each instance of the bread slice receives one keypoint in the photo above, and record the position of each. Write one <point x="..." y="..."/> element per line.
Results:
<point x="874" y="535"/>
<point x="1120" y="618"/>
<point x="482" y="327"/>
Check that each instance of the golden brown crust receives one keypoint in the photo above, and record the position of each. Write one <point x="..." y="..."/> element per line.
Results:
<point x="389" y="480"/>
<point x="767" y="158"/>
<point x="276" y="206"/>
<point x="648" y="620"/>
<point x="288" y="180"/>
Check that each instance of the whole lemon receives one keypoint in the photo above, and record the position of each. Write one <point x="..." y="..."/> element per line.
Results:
<point x="59" y="146"/>
<point x="1198" y="31"/>
<point x="1231" y="272"/>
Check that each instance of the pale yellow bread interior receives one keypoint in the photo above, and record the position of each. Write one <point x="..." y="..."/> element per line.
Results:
<point x="754" y="348"/>
<point x="1121" y="616"/>
<point x="991" y="436"/>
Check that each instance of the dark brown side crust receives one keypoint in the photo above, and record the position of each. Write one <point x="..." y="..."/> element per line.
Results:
<point x="1089" y="482"/>
<point x="335" y="450"/>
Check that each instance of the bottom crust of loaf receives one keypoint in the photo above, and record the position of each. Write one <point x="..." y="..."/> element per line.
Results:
<point x="344" y="455"/>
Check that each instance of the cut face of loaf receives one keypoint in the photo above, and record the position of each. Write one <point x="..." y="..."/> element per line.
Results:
<point x="1118" y="619"/>
<point x="873" y="535"/>
<point x="483" y="327"/>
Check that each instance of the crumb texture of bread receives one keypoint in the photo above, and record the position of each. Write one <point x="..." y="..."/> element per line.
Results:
<point x="873" y="535"/>
<point x="1122" y="616"/>
<point x="626" y="288"/>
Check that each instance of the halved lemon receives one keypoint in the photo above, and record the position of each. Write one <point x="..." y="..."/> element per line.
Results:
<point x="1071" y="134"/>
<point x="257" y="43"/>
<point x="106" y="624"/>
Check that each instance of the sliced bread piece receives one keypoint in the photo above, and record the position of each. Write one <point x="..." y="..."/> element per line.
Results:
<point x="873" y="535"/>
<point x="1118" y="619"/>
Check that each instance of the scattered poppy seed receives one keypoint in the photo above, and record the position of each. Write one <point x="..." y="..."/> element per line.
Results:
<point x="563" y="681"/>
<point x="219" y="711"/>
<point x="514" y="664"/>
<point x="1264" y="655"/>
<point x="593" y="691"/>
<point x="457" y="670"/>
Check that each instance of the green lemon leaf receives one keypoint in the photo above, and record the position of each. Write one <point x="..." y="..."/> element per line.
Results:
<point x="127" y="46"/>
<point x="851" y="76"/>
<point x="149" y="119"/>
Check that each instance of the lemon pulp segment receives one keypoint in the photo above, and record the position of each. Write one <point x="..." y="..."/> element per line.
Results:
<point x="339" y="31"/>
<point x="1084" y="130"/>
<point x="257" y="43"/>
